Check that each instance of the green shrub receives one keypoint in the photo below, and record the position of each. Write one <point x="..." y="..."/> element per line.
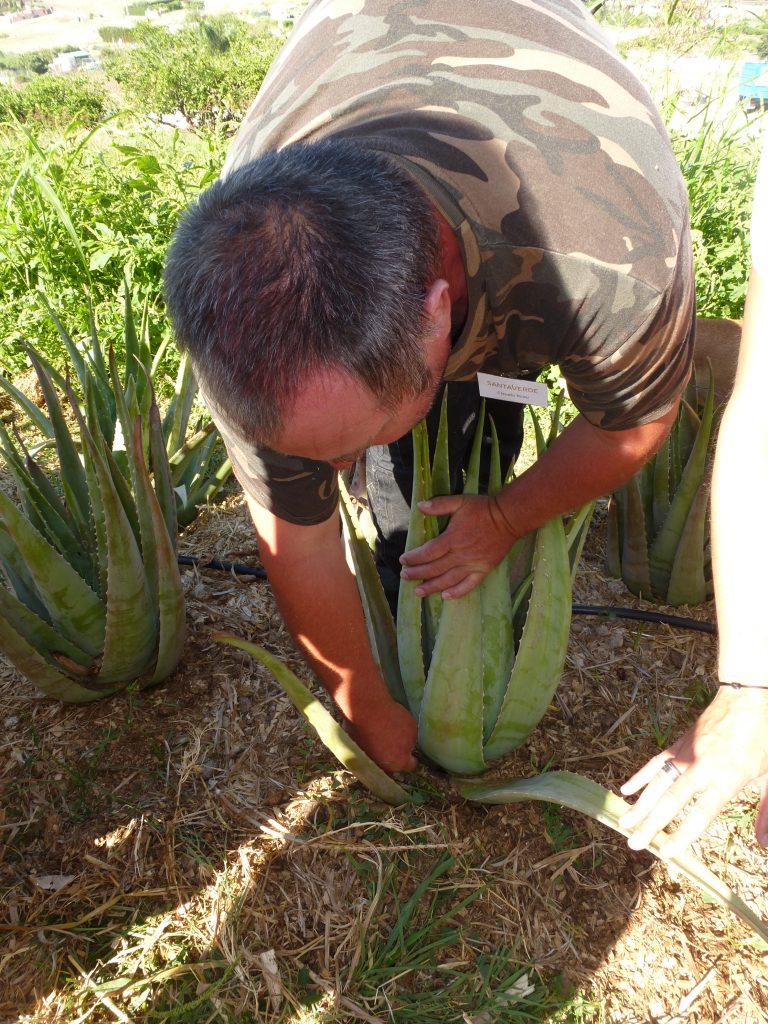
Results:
<point x="33" y="63"/>
<point x="209" y="71"/>
<point x="117" y="33"/>
<point x="56" y="100"/>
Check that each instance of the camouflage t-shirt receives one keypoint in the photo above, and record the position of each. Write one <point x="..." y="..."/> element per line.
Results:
<point x="548" y="158"/>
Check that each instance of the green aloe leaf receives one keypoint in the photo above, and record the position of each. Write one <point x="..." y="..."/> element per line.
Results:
<point x="205" y="491"/>
<point x="660" y="486"/>
<point x="73" y="607"/>
<point x="73" y="479"/>
<point x="33" y="665"/>
<point x="378" y="616"/>
<point x="37" y="416"/>
<point x="37" y="632"/>
<point x="162" y="570"/>
<point x="441" y="468"/>
<point x="589" y="798"/>
<point x="541" y="652"/>
<point x="409" y="605"/>
<point x="164" y="491"/>
<point x="498" y="647"/>
<point x="635" y="568"/>
<point x="576" y="535"/>
<point x="613" y="539"/>
<point x="687" y="581"/>
<point x="18" y="576"/>
<point x="176" y="420"/>
<point x="450" y="717"/>
<point x="342" y="746"/>
<point x="668" y="538"/>
<point x="130" y="633"/>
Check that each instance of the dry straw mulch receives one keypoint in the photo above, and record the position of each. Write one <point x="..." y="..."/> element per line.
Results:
<point x="197" y="843"/>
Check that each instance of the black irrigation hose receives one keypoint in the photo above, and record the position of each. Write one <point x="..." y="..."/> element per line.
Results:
<point x="614" y="612"/>
<point x="606" y="611"/>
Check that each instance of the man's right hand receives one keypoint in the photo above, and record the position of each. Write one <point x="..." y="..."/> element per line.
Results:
<point x="386" y="733"/>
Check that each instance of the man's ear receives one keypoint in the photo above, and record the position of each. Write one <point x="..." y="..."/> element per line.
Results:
<point x="437" y="306"/>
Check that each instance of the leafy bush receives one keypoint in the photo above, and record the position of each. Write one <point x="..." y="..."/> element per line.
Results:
<point x="33" y="63"/>
<point x="56" y="100"/>
<point x="719" y="162"/>
<point x="122" y="192"/>
<point x="117" y="33"/>
<point x="209" y="71"/>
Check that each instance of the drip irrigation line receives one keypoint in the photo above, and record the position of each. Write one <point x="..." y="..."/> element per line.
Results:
<point x="603" y="611"/>
<point x="213" y="563"/>
<point x="613" y="612"/>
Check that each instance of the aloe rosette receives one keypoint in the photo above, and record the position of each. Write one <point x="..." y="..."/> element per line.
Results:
<point x="90" y="593"/>
<point x="197" y="466"/>
<point x="478" y="672"/>
<point x="657" y="522"/>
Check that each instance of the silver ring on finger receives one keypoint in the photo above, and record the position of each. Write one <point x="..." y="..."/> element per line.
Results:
<point x="671" y="768"/>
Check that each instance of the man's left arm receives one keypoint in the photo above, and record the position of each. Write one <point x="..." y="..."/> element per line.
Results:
<point x="583" y="463"/>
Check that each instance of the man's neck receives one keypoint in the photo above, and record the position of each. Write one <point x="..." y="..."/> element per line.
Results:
<point x="452" y="270"/>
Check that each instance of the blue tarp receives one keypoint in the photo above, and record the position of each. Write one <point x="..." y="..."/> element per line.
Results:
<point x="753" y="82"/>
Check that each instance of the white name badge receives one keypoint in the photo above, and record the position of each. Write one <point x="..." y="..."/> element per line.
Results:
<point x="508" y="389"/>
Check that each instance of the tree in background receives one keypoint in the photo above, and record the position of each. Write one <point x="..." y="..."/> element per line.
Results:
<point x="209" y="70"/>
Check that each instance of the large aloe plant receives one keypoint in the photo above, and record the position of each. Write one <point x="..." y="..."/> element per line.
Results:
<point x="657" y="538"/>
<point x="492" y="662"/>
<point x="197" y="468"/>
<point x="90" y="596"/>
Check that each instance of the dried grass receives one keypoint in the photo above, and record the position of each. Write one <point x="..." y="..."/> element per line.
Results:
<point x="220" y="860"/>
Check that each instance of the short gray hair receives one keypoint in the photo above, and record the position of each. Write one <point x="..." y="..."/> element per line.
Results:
<point x="311" y="257"/>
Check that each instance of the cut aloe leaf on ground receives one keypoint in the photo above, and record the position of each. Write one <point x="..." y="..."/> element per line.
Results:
<point x="588" y="797"/>
<point x="341" y="745"/>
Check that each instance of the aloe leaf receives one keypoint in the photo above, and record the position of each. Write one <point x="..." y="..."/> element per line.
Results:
<point x="18" y="575"/>
<point x="587" y="797"/>
<point x="341" y="745"/>
<point x="37" y="632"/>
<point x="613" y="539"/>
<point x="33" y="665"/>
<point x="180" y="458"/>
<point x="541" y="652"/>
<point x="666" y="541"/>
<point x="162" y="571"/>
<point x="688" y="427"/>
<point x="204" y="492"/>
<point x="378" y="617"/>
<point x="71" y="604"/>
<point x="162" y="474"/>
<point x="687" y="582"/>
<point x="635" y="570"/>
<point x="177" y="421"/>
<point x="44" y="509"/>
<point x="554" y="427"/>
<point x="450" y="717"/>
<point x="130" y="634"/>
<point x="409" y="605"/>
<point x="441" y="469"/>
<point x="74" y="353"/>
<point x="498" y="646"/>
<point x="73" y="480"/>
<point x="660" y="486"/>
<point x="37" y="416"/>
<point x="472" y="481"/>
<point x="576" y="535"/>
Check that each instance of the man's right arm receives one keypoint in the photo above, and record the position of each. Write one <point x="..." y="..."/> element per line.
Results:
<point x="318" y="599"/>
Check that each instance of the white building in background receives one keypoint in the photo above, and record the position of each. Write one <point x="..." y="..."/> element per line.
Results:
<point x="76" y="60"/>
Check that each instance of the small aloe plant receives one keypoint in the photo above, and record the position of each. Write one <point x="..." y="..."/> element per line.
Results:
<point x="90" y="594"/>
<point x="657" y="522"/>
<point x="197" y="468"/>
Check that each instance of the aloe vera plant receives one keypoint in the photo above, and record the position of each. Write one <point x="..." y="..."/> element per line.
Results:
<point x="490" y="668"/>
<point x="194" y="450"/>
<point x="657" y="537"/>
<point x="90" y="593"/>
